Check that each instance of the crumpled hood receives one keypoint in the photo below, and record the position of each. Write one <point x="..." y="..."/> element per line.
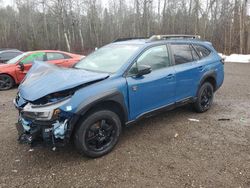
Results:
<point x="44" y="79"/>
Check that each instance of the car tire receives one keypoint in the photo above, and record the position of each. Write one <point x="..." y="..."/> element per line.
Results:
<point x="98" y="133"/>
<point x="204" y="98"/>
<point x="6" y="82"/>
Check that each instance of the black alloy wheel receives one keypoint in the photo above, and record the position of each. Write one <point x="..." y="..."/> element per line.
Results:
<point x="98" y="133"/>
<point x="204" y="98"/>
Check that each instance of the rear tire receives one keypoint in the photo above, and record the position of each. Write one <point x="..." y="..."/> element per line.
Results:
<point x="204" y="98"/>
<point x="98" y="133"/>
<point x="6" y="82"/>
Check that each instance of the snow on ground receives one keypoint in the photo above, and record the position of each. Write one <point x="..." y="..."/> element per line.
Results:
<point x="236" y="58"/>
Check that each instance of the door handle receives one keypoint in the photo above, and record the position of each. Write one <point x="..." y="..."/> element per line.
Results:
<point x="134" y="88"/>
<point x="170" y="76"/>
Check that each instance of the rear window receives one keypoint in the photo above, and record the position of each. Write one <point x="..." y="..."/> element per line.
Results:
<point x="202" y="51"/>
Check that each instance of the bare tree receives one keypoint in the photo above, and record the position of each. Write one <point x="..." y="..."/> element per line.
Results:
<point x="81" y="25"/>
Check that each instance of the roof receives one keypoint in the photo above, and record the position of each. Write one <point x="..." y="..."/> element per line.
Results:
<point x="10" y="50"/>
<point x="47" y="51"/>
<point x="160" y="39"/>
<point x="132" y="41"/>
<point x="3" y="49"/>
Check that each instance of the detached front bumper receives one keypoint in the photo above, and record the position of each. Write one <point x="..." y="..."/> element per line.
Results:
<point x="40" y="133"/>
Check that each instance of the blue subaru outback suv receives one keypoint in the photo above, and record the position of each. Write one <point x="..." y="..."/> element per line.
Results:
<point x="116" y="85"/>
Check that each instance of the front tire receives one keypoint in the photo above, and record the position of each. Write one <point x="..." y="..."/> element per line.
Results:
<point x="204" y="98"/>
<point x="6" y="82"/>
<point x="98" y="133"/>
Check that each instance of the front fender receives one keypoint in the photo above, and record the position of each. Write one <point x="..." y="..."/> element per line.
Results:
<point x="84" y="107"/>
<point x="108" y="96"/>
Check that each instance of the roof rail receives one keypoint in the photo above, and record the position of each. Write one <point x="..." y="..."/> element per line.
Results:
<point x="129" y="38"/>
<point x="165" y="37"/>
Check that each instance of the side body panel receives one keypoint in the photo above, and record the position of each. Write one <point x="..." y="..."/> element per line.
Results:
<point x="151" y="91"/>
<point x="186" y="80"/>
<point x="210" y="67"/>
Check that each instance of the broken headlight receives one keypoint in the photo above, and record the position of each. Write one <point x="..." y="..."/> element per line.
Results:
<point x="43" y="112"/>
<point x="37" y="115"/>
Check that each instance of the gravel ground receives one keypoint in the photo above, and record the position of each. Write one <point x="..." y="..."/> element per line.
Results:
<point x="167" y="150"/>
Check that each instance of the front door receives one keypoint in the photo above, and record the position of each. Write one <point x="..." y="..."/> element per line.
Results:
<point x="27" y="63"/>
<point x="154" y="90"/>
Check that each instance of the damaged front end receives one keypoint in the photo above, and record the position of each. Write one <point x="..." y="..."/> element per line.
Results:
<point x="46" y="124"/>
<point x="44" y="103"/>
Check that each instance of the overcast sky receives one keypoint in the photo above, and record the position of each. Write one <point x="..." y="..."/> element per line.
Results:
<point x="7" y="2"/>
<point x="11" y="2"/>
<point x="105" y="2"/>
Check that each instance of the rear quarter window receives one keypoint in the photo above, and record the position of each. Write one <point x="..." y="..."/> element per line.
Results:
<point x="202" y="51"/>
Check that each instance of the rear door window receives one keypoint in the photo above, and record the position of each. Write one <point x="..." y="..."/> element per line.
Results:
<point x="202" y="51"/>
<point x="54" y="56"/>
<point x="183" y="53"/>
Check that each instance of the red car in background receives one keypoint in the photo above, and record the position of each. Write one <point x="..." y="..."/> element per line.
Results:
<point x="14" y="71"/>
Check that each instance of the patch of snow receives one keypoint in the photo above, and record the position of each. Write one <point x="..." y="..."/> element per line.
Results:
<point x="222" y="56"/>
<point x="236" y="58"/>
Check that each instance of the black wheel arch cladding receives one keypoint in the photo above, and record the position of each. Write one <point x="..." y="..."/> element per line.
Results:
<point x="110" y="97"/>
<point x="210" y="77"/>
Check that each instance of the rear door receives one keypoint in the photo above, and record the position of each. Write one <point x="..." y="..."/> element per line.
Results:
<point x="154" y="90"/>
<point x="187" y="77"/>
<point x="59" y="59"/>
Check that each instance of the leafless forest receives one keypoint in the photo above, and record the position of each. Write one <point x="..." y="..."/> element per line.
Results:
<point x="81" y="25"/>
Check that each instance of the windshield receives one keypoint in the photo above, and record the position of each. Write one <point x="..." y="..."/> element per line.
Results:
<point x="108" y="59"/>
<point x="17" y="58"/>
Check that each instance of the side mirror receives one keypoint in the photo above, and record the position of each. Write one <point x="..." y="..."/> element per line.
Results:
<point x="143" y="69"/>
<point x="21" y="66"/>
